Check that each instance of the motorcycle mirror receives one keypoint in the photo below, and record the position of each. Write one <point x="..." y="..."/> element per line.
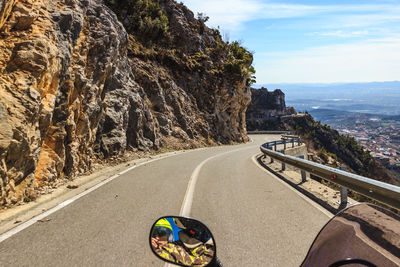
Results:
<point x="182" y="241"/>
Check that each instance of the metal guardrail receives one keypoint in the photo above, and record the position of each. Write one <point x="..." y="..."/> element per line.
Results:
<point x="285" y="140"/>
<point x="380" y="191"/>
<point x="289" y="136"/>
<point x="268" y="132"/>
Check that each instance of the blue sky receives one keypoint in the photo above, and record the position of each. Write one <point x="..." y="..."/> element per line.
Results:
<point x="312" y="41"/>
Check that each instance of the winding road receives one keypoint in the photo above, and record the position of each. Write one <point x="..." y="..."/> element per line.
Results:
<point x="256" y="219"/>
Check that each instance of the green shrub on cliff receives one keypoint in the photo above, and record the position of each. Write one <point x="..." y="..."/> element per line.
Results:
<point x="152" y="37"/>
<point x="143" y="18"/>
<point x="364" y="156"/>
<point x="239" y="62"/>
<point x="329" y="142"/>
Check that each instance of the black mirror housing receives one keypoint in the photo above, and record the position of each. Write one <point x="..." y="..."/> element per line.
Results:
<point x="182" y="241"/>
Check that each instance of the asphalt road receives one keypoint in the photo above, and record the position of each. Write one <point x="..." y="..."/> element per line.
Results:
<point x="256" y="219"/>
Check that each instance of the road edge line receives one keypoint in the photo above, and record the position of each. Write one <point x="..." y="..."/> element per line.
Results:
<point x="67" y="202"/>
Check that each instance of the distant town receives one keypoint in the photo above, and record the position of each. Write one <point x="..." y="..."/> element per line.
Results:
<point x="380" y="136"/>
<point x="367" y="111"/>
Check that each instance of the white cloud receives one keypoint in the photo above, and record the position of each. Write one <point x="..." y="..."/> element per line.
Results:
<point x="227" y="14"/>
<point x="340" y="33"/>
<point x="230" y="15"/>
<point x="368" y="60"/>
<point x="373" y="60"/>
<point x="364" y="20"/>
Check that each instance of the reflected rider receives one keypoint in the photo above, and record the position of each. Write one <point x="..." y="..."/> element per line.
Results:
<point x="180" y="243"/>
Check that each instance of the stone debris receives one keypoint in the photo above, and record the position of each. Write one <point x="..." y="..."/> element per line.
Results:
<point x="72" y="186"/>
<point x="44" y="220"/>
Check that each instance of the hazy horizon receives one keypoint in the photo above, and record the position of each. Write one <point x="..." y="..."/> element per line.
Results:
<point x="373" y="97"/>
<point x="259" y="85"/>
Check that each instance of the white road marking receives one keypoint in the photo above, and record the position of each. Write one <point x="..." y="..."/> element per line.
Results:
<point x="315" y="205"/>
<point x="41" y="216"/>
<point x="188" y="196"/>
<point x="188" y="199"/>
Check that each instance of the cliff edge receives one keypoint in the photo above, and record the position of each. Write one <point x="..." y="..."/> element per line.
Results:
<point x="265" y="110"/>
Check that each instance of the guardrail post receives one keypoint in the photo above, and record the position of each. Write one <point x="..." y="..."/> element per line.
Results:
<point x="292" y="142"/>
<point x="303" y="176"/>
<point x="283" y="163"/>
<point x="303" y="172"/>
<point x="275" y="145"/>
<point x="343" y="195"/>
<point x="271" y="158"/>
<point x="343" y="190"/>
<point x="284" y="144"/>
<point x="299" y="141"/>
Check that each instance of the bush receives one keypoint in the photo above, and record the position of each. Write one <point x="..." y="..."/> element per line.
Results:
<point x="142" y="18"/>
<point x="239" y="62"/>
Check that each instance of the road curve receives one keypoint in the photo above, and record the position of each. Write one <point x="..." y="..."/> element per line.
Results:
<point x="256" y="219"/>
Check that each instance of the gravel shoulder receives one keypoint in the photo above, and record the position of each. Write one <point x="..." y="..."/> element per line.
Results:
<point x="325" y="196"/>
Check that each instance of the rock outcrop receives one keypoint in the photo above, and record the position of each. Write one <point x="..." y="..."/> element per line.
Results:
<point x="265" y="110"/>
<point x="5" y="10"/>
<point x="76" y="88"/>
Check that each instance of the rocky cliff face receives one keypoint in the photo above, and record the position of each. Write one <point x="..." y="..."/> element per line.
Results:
<point x="5" y="10"/>
<point x="76" y="87"/>
<point x="265" y="109"/>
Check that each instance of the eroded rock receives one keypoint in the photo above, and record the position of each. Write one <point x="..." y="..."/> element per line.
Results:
<point x="73" y="91"/>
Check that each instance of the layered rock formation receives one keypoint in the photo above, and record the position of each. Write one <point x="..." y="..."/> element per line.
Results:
<point x="5" y="10"/>
<point x="266" y="109"/>
<point x="76" y="87"/>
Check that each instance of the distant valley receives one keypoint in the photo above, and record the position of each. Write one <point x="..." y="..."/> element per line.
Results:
<point x="369" y="112"/>
<point x="380" y="134"/>
<point x="374" y="98"/>
<point x="341" y="118"/>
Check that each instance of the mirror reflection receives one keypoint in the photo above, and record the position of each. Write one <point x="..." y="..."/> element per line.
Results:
<point x="182" y="241"/>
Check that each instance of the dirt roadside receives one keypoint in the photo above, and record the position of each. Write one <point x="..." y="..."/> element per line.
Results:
<point x="316" y="191"/>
